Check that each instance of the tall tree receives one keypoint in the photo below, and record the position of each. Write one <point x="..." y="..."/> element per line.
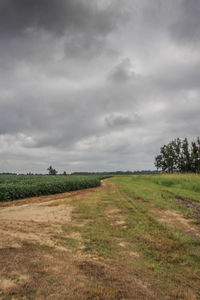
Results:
<point x="179" y="156"/>
<point x="198" y="164"/>
<point x="185" y="157"/>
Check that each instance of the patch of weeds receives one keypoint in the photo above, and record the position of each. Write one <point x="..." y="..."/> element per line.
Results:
<point x="68" y="241"/>
<point x="67" y="229"/>
<point x="99" y="237"/>
<point x="37" y="246"/>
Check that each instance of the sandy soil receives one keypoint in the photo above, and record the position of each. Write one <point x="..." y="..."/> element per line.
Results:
<point x="37" y="213"/>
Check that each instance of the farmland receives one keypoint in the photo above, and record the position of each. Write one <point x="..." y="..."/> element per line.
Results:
<point x="133" y="237"/>
<point x="22" y="186"/>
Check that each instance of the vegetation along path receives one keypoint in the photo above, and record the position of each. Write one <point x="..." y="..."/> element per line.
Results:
<point x="135" y="237"/>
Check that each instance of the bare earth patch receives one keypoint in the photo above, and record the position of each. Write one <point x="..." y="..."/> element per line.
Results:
<point x="7" y="284"/>
<point x="37" y="213"/>
<point x="24" y="223"/>
<point x="176" y="219"/>
<point x="38" y="219"/>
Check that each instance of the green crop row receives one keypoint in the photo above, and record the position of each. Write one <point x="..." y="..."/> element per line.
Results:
<point x="21" y="186"/>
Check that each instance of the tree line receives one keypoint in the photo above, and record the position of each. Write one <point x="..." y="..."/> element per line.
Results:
<point x="179" y="156"/>
<point x="117" y="172"/>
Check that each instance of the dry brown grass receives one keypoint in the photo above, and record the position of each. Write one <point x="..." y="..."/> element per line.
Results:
<point x="36" y="272"/>
<point x="185" y="295"/>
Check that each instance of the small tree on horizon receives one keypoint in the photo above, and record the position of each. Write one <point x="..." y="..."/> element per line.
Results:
<point x="52" y="171"/>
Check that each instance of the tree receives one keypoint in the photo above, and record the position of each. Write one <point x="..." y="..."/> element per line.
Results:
<point x="178" y="156"/>
<point x="168" y="159"/>
<point x="185" y="157"/>
<point x="198" y="164"/>
<point x="52" y="171"/>
<point x="195" y="156"/>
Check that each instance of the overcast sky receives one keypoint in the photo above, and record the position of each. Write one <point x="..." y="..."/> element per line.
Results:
<point x="96" y="85"/>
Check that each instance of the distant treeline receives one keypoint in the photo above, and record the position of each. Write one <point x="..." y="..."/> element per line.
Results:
<point x="7" y="173"/>
<point x="179" y="156"/>
<point x="94" y="173"/>
<point x="118" y="172"/>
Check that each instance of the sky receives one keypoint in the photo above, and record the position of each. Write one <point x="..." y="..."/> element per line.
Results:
<point x="96" y="85"/>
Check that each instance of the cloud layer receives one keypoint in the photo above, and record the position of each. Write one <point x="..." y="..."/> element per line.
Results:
<point x="96" y="85"/>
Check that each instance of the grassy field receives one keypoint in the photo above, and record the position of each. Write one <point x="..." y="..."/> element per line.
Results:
<point x="135" y="237"/>
<point x="22" y="186"/>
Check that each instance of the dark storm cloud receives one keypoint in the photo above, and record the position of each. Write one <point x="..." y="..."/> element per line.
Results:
<point x="34" y="29"/>
<point x="22" y="16"/>
<point x="96" y="85"/>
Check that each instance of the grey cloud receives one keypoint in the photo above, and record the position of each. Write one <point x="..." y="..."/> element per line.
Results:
<point x="84" y="46"/>
<point x="186" y="28"/>
<point x="23" y="16"/>
<point x="35" y="30"/>
<point x="122" y="72"/>
<point x="182" y="76"/>
<point x="187" y="116"/>
<point x="122" y="121"/>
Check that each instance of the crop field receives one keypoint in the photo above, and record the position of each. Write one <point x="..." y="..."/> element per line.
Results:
<point x="133" y="237"/>
<point x="22" y="186"/>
